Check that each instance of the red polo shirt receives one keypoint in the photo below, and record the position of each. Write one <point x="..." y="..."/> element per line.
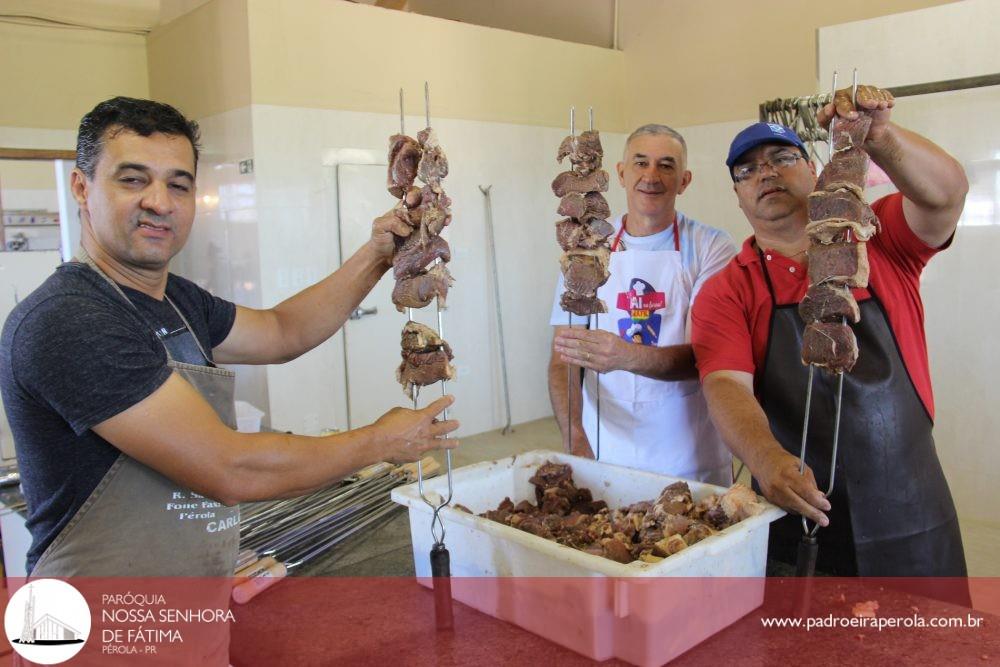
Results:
<point x="731" y="315"/>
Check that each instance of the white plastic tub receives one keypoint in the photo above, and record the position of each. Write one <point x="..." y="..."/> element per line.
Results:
<point x="248" y="417"/>
<point x="628" y="611"/>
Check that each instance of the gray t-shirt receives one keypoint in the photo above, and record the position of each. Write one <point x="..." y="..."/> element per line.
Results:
<point x="74" y="354"/>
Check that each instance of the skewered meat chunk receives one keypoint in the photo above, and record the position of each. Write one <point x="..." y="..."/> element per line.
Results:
<point x="584" y="151"/>
<point x="421" y="289"/>
<point x="849" y="134"/>
<point x="584" y="207"/>
<point x="433" y="165"/>
<point x="434" y="212"/>
<point x="412" y="257"/>
<point x="412" y="198"/>
<point x="404" y="155"/>
<point x="844" y="263"/>
<point x="830" y="345"/>
<point x="582" y="305"/>
<point x="840" y="224"/>
<point x="840" y="204"/>
<point x="570" y="181"/>
<point x="418" y="337"/>
<point x="829" y="302"/>
<point x="585" y="270"/>
<point x="847" y="170"/>
<point x="573" y="235"/>
<point x="426" y="358"/>
<point x="840" y="231"/>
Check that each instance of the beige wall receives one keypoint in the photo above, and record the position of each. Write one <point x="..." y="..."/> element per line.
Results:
<point x="582" y="21"/>
<point x="338" y="55"/>
<point x="690" y="63"/>
<point x="50" y="77"/>
<point x="200" y="62"/>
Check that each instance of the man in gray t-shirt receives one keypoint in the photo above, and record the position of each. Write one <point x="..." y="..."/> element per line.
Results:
<point x="120" y="417"/>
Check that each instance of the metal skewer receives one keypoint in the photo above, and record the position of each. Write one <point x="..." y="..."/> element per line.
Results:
<point x="267" y="571"/>
<point x="569" y="323"/>
<point x="809" y="547"/>
<point x="499" y="309"/>
<point x="597" y="374"/>
<point x="440" y="559"/>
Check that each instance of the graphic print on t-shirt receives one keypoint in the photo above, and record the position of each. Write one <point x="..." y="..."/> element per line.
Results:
<point x="641" y="302"/>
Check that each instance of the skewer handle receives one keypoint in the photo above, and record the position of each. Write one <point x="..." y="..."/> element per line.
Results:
<point x="264" y="574"/>
<point x="805" y="563"/>
<point x="441" y="573"/>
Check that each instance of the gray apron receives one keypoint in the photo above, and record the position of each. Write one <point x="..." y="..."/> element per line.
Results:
<point x="138" y="523"/>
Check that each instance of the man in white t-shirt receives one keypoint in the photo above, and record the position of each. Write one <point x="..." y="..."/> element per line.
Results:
<point x="649" y="411"/>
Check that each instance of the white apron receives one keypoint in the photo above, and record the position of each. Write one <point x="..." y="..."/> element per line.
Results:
<point x="650" y="424"/>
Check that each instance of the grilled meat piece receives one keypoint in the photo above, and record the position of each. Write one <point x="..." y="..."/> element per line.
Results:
<point x="426" y="358"/>
<point x="584" y="207"/>
<point x="830" y="345"/>
<point x="421" y="289"/>
<point x="837" y="205"/>
<point x="697" y="533"/>
<point x="676" y="498"/>
<point x="570" y="181"/>
<point x="616" y="550"/>
<point x="848" y="170"/>
<point x="840" y="231"/>
<point x="412" y="257"/>
<point x="573" y="235"/>
<point x="584" y="151"/>
<point x="850" y="134"/>
<point x="433" y="213"/>
<point x="582" y="305"/>
<point x="404" y="155"/>
<point x="418" y="337"/>
<point x="550" y="475"/>
<point x="829" y="302"/>
<point x="433" y="164"/>
<point x="668" y="546"/>
<point x="740" y="502"/>
<point x="585" y="270"/>
<point x="845" y="263"/>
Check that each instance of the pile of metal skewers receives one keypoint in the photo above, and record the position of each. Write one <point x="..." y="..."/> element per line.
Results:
<point x="278" y="537"/>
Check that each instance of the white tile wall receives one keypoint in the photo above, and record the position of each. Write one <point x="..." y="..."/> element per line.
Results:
<point x="222" y="254"/>
<point x="298" y="241"/>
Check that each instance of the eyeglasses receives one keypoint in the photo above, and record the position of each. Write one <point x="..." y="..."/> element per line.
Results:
<point x="778" y="161"/>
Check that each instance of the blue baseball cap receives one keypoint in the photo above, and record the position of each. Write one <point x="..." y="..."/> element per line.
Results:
<point x="762" y="133"/>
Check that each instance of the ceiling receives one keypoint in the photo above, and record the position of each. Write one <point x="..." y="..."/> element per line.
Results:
<point x="582" y="21"/>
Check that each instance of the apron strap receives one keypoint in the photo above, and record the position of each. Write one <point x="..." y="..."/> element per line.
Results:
<point x="621" y="230"/>
<point x="84" y="257"/>
<point x="184" y="320"/>
<point x="767" y="277"/>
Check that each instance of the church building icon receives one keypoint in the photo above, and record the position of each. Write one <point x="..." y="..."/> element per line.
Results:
<point x="45" y="630"/>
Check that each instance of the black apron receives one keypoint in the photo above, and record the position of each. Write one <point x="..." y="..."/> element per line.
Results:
<point x="892" y="514"/>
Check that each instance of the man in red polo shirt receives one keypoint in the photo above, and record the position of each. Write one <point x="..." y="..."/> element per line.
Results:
<point x="890" y="512"/>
